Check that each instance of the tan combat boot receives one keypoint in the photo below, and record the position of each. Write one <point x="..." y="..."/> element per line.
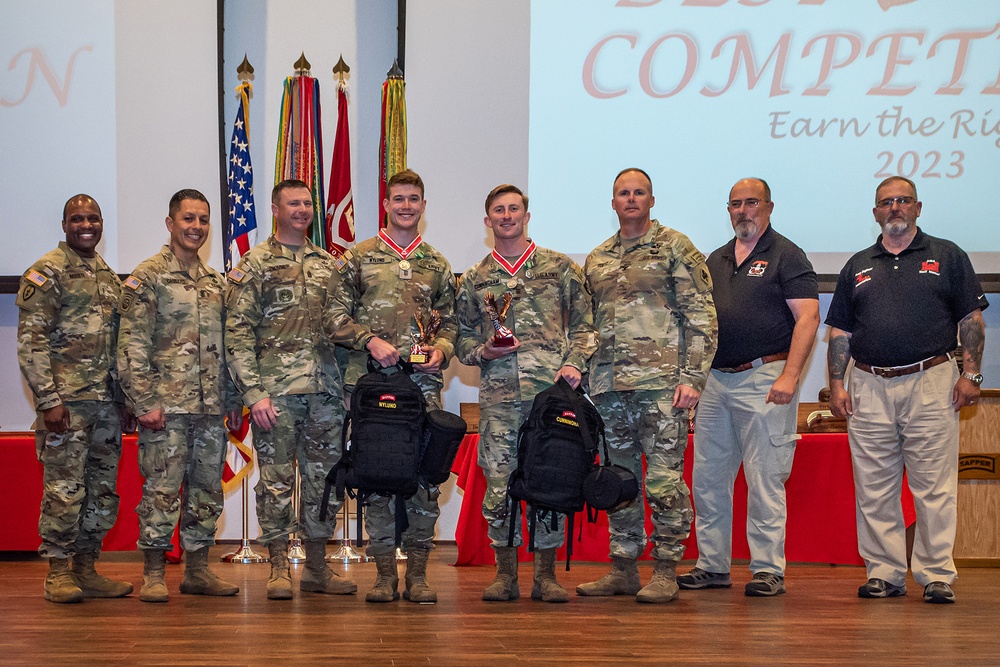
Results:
<point x="387" y="581"/>
<point x="504" y="586"/>
<point x="663" y="586"/>
<point x="317" y="577"/>
<point x="199" y="580"/>
<point x="59" y="583"/>
<point x="545" y="586"/>
<point x="95" y="585"/>
<point x="623" y="579"/>
<point x="154" y="587"/>
<point x="279" y="584"/>
<point x="417" y="589"/>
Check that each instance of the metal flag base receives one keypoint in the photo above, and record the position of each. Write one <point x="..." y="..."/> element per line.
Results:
<point x="346" y="553"/>
<point x="245" y="554"/>
<point x="400" y="554"/>
<point x="296" y="553"/>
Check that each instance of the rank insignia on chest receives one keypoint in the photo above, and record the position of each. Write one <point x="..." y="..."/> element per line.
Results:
<point x="931" y="266"/>
<point x="757" y="269"/>
<point x="132" y="283"/>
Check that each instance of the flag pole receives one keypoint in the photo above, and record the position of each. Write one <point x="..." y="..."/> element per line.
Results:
<point x="245" y="553"/>
<point x="339" y="237"/>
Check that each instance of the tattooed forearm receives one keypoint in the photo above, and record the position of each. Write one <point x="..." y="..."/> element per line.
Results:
<point x="837" y="355"/>
<point x="972" y="336"/>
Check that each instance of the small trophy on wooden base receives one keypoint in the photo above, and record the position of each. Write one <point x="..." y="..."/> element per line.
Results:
<point x="427" y="331"/>
<point x="504" y="337"/>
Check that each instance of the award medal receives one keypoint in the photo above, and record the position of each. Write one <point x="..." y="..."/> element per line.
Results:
<point x="405" y="270"/>
<point x="512" y="269"/>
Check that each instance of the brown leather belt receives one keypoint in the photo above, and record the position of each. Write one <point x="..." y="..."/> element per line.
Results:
<point x="766" y="359"/>
<point x="897" y="371"/>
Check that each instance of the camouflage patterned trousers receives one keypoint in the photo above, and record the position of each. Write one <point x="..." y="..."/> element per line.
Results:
<point x="79" y="502"/>
<point x="182" y="465"/>
<point x="308" y="433"/>
<point x="498" y="426"/>
<point x="646" y="423"/>
<point x="422" y="509"/>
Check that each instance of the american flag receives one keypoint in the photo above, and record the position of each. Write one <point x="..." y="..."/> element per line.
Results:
<point x="242" y="213"/>
<point x="242" y="235"/>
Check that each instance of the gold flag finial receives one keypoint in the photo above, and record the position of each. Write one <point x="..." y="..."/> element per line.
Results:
<point x="245" y="69"/>
<point x="341" y="71"/>
<point x="302" y="66"/>
<point x="394" y="71"/>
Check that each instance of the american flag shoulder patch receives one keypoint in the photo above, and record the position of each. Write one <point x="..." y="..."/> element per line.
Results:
<point x="237" y="275"/>
<point x="133" y="283"/>
<point x="35" y="277"/>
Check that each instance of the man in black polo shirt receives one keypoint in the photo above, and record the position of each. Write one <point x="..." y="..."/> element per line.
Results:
<point x="768" y="307"/>
<point x="896" y="310"/>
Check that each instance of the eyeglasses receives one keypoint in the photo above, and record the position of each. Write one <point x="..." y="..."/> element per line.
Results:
<point x="889" y="201"/>
<point x="749" y="203"/>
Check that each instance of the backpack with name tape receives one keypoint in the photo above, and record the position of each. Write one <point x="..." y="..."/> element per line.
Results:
<point x="382" y="456"/>
<point x="556" y="450"/>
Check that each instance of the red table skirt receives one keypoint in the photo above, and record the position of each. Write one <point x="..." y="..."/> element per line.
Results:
<point x="22" y="496"/>
<point x="820" y="496"/>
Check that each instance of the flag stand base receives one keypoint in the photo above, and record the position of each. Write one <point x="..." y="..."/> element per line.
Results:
<point x="296" y="553"/>
<point x="245" y="554"/>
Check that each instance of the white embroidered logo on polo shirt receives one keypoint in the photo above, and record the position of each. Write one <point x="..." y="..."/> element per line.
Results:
<point x="931" y="266"/>
<point x="757" y="269"/>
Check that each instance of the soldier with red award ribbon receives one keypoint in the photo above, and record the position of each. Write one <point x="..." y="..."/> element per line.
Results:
<point x="543" y="331"/>
<point x="395" y="288"/>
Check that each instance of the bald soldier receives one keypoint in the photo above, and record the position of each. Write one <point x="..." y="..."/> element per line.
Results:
<point x="66" y="336"/>
<point x="173" y="371"/>
<point x="656" y="334"/>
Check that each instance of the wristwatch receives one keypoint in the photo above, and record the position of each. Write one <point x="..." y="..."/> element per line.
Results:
<point x="974" y="378"/>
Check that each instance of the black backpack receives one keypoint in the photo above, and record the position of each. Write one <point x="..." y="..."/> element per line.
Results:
<point x="386" y="423"/>
<point x="556" y="450"/>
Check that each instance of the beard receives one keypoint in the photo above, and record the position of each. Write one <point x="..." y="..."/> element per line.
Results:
<point x="745" y="229"/>
<point x="897" y="227"/>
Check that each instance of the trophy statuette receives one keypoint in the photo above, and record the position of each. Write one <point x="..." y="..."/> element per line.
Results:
<point x="426" y="333"/>
<point x="503" y="337"/>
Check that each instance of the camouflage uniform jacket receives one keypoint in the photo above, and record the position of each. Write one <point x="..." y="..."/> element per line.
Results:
<point x="653" y="311"/>
<point x="550" y="315"/>
<point x="372" y="300"/>
<point x="170" y="347"/>
<point x="275" y="344"/>
<point x="67" y="329"/>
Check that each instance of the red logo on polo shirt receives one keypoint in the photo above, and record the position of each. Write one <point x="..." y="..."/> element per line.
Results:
<point x="757" y="269"/>
<point x="862" y="276"/>
<point x="931" y="266"/>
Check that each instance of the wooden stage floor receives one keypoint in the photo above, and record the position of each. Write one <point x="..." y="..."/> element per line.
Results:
<point x="820" y="621"/>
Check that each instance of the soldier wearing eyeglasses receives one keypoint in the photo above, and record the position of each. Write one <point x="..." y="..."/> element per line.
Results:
<point x="767" y="300"/>
<point x="895" y="311"/>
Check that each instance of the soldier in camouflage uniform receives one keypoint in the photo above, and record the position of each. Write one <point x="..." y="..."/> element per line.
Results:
<point x="66" y="333"/>
<point x="657" y="333"/>
<point x="551" y="319"/>
<point x="173" y="371"/>
<point x="387" y="283"/>
<point x="283" y="365"/>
